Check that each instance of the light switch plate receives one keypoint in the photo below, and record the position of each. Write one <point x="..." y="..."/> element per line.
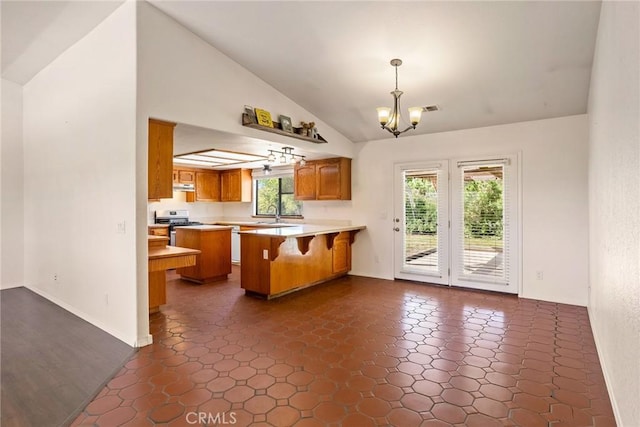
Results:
<point x="265" y="254"/>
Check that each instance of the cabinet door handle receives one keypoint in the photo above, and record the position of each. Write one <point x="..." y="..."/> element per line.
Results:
<point x="396" y="229"/>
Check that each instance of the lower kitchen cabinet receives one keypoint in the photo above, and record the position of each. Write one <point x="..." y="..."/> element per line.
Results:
<point x="214" y="243"/>
<point x="341" y="255"/>
<point x="273" y="265"/>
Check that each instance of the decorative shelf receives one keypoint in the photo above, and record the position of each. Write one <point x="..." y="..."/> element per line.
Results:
<point x="246" y="121"/>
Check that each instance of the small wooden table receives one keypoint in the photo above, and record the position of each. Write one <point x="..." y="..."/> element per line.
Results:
<point x="162" y="258"/>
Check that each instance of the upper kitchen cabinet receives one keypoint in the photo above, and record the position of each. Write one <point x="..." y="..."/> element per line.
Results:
<point x="328" y="179"/>
<point x="235" y="185"/>
<point x="304" y="180"/>
<point x="160" y="179"/>
<point x="182" y="176"/>
<point x="207" y="186"/>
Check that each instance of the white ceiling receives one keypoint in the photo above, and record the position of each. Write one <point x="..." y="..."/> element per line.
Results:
<point x="482" y="63"/>
<point x="34" y="33"/>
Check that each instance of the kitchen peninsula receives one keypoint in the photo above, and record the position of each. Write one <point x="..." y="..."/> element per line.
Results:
<point x="276" y="261"/>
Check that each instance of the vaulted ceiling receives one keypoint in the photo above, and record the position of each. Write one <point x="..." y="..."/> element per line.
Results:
<point x="482" y="63"/>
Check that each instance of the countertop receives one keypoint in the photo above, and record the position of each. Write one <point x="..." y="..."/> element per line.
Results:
<point x="302" y="230"/>
<point x="256" y="224"/>
<point x="170" y="251"/>
<point x="205" y="227"/>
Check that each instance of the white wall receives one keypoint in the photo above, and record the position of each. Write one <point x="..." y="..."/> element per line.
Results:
<point x="614" y="205"/>
<point x="553" y="190"/>
<point x="80" y="174"/>
<point x="12" y="194"/>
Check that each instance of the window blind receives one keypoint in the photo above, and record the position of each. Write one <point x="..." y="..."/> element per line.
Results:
<point x="484" y="236"/>
<point x="423" y="213"/>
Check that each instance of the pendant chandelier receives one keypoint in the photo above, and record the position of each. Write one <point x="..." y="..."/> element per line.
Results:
<point x="390" y="119"/>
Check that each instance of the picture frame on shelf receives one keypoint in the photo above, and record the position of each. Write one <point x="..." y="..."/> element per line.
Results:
<point x="251" y="113"/>
<point x="264" y="117"/>
<point x="285" y="124"/>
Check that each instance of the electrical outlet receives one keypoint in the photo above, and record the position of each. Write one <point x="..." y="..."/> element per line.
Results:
<point x="539" y="275"/>
<point x="265" y="254"/>
<point x="122" y="227"/>
<point x="55" y="277"/>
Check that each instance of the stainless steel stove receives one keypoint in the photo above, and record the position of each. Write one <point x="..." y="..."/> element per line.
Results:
<point x="174" y="218"/>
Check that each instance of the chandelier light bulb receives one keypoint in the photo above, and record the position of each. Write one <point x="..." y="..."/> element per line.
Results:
<point x="271" y="158"/>
<point x="303" y="161"/>
<point x="415" y="113"/>
<point x="283" y="159"/>
<point x="383" y="115"/>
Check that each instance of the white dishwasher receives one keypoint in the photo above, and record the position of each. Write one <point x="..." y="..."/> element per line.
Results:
<point x="235" y="244"/>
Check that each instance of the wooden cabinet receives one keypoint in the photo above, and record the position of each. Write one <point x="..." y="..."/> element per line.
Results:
<point x="214" y="261"/>
<point x="160" y="159"/>
<point x="235" y="185"/>
<point x="304" y="181"/>
<point x="333" y="179"/>
<point x="207" y="186"/>
<point x="158" y="230"/>
<point x="328" y="179"/>
<point x="273" y="265"/>
<point x="184" y="176"/>
<point x="341" y="255"/>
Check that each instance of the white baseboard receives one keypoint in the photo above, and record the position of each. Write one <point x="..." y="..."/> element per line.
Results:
<point x="605" y="372"/>
<point x="11" y="286"/>
<point x="143" y="341"/>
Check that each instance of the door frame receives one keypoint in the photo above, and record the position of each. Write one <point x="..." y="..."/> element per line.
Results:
<point x="443" y="277"/>
<point x="515" y="270"/>
<point x="451" y="165"/>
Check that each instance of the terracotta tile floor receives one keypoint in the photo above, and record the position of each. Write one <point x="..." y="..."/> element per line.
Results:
<point x="358" y="352"/>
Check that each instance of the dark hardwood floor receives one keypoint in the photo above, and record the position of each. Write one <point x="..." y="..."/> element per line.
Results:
<point x="52" y="362"/>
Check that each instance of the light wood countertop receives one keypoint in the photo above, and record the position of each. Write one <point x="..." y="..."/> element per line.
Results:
<point x="303" y="230"/>
<point x="170" y="251"/>
<point x="256" y="224"/>
<point x="205" y="227"/>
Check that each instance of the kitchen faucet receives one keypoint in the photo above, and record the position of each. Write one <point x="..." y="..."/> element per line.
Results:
<point x="276" y="212"/>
